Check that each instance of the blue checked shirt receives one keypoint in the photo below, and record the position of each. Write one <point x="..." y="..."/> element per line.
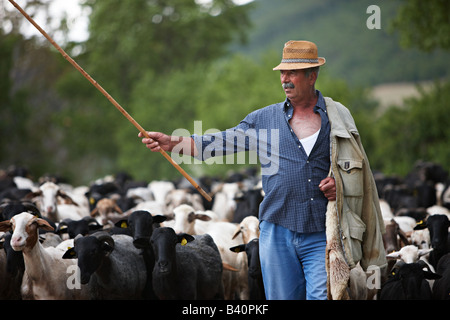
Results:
<point x="290" y="178"/>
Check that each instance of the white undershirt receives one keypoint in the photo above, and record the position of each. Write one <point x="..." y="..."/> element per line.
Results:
<point x="309" y="142"/>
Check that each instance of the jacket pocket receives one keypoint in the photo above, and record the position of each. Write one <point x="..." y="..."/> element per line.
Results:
<point x="353" y="228"/>
<point x="352" y="176"/>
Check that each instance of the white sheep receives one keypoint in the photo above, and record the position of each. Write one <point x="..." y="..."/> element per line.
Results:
<point x="177" y="197"/>
<point x="47" y="275"/>
<point x="48" y="200"/>
<point x="249" y="228"/>
<point x="160" y="190"/>
<point x="406" y="223"/>
<point x="188" y="220"/>
<point x="152" y="206"/>
<point x="224" y="203"/>
<point x="409" y="254"/>
<point x="421" y="238"/>
<point x="386" y="210"/>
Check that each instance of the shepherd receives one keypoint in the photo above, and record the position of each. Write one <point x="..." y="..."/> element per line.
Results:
<point x="306" y="251"/>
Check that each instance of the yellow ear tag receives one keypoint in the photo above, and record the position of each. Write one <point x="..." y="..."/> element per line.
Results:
<point x="124" y="225"/>
<point x="237" y="250"/>
<point x="183" y="242"/>
<point x="420" y="222"/>
<point x="91" y="200"/>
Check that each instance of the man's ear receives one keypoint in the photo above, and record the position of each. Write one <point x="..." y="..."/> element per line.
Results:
<point x="312" y="78"/>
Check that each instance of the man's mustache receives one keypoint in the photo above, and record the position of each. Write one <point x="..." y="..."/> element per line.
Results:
<point x="288" y="85"/>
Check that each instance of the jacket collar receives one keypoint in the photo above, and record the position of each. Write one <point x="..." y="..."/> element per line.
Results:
<point x="342" y="123"/>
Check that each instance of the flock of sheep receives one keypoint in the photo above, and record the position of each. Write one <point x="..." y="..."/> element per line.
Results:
<point x="111" y="241"/>
<point x="122" y="239"/>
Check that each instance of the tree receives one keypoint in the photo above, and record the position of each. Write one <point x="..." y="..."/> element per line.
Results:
<point x="416" y="131"/>
<point x="424" y="24"/>
<point x="138" y="51"/>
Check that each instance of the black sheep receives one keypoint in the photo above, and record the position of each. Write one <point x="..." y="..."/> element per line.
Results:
<point x="408" y="281"/>
<point x="186" y="268"/>
<point x="255" y="281"/>
<point x="441" y="287"/>
<point x="438" y="225"/>
<point x="140" y="225"/>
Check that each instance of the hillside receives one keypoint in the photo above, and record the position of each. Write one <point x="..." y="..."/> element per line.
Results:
<point x="353" y="52"/>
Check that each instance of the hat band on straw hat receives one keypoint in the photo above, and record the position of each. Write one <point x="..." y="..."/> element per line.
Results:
<point x="300" y="60"/>
<point x="299" y="55"/>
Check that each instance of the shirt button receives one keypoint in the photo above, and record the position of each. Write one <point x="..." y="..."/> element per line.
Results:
<point x="309" y="180"/>
<point x="300" y="147"/>
<point x="307" y="161"/>
<point x="312" y="199"/>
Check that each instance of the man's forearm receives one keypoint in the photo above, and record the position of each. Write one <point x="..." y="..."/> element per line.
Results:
<point x="183" y="145"/>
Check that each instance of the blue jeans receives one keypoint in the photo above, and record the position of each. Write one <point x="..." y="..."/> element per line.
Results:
<point x="293" y="264"/>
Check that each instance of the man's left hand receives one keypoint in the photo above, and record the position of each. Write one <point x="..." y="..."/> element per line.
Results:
<point x="328" y="187"/>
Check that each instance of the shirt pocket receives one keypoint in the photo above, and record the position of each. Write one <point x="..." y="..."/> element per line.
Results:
<point x="352" y="177"/>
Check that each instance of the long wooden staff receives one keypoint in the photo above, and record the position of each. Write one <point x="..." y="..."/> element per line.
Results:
<point x="111" y="99"/>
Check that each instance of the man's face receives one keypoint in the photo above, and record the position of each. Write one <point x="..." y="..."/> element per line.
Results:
<point x="295" y="84"/>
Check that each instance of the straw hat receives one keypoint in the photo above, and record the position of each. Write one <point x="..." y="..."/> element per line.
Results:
<point x="299" y="55"/>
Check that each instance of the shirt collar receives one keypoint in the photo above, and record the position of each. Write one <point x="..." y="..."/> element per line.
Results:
<point x="289" y="109"/>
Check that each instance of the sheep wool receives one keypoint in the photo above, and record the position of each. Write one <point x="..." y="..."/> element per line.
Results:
<point x="337" y="268"/>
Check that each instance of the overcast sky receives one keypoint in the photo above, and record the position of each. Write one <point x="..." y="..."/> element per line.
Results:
<point x="77" y="17"/>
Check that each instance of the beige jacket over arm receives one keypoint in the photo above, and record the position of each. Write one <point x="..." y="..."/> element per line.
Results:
<point x="359" y="216"/>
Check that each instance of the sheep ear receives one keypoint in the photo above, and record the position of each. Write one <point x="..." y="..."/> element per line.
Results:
<point x="94" y="212"/>
<point x="237" y="249"/>
<point x="421" y="225"/>
<point x="44" y="225"/>
<point x="203" y="217"/>
<point x="117" y="209"/>
<point x="159" y="218"/>
<point x="431" y="275"/>
<point x="191" y="217"/>
<point x="70" y="254"/>
<point x="67" y="198"/>
<point x="236" y="232"/>
<point x="32" y="195"/>
<point x="122" y="223"/>
<point x="184" y="238"/>
<point x="423" y="252"/>
<point x="5" y="226"/>
<point x="393" y="255"/>
<point x="61" y="229"/>
<point x="107" y="249"/>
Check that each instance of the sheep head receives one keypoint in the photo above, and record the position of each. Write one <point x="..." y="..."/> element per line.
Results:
<point x="25" y="230"/>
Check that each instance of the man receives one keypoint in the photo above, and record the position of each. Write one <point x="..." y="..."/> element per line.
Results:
<point x="293" y="141"/>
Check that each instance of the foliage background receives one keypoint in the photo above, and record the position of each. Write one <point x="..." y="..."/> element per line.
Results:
<point x="172" y="62"/>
